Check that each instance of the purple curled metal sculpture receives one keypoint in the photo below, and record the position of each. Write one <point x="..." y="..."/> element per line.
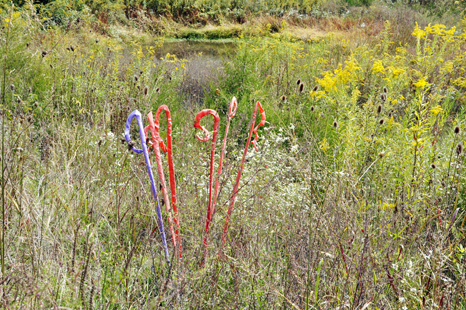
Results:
<point x="136" y="114"/>
<point x="158" y="144"/>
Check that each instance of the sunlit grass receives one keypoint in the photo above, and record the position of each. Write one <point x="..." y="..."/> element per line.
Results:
<point x="349" y="202"/>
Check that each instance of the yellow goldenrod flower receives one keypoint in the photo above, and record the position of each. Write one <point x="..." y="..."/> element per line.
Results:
<point x="421" y="83"/>
<point x="324" y="146"/>
<point x="378" y="67"/>
<point x="418" y="32"/>
<point x="436" y="110"/>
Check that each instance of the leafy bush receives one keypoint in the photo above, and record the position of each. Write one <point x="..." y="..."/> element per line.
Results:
<point x="354" y="199"/>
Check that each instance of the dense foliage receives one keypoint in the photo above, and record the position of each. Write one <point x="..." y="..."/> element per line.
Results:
<point x="355" y="198"/>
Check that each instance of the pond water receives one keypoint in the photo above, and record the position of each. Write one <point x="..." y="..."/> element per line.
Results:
<point x="204" y="67"/>
<point x="189" y="49"/>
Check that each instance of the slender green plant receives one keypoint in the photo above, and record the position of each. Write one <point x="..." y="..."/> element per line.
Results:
<point x="7" y="28"/>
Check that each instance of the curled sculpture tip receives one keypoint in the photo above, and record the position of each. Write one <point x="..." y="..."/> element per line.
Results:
<point x="262" y="123"/>
<point x="197" y="124"/>
<point x="233" y="107"/>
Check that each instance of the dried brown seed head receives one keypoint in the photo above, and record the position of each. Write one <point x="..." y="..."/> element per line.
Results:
<point x="381" y="121"/>
<point x="131" y="144"/>
<point x="298" y="82"/>
<point x="457" y="130"/>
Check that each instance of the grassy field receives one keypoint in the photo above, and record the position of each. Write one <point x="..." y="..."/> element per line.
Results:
<point x="355" y="198"/>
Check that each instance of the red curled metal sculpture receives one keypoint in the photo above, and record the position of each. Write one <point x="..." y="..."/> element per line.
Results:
<point x="158" y="144"/>
<point x="207" y="136"/>
<point x="213" y="200"/>
<point x="240" y="170"/>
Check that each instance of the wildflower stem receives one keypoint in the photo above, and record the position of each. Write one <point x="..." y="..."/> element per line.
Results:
<point x="5" y="55"/>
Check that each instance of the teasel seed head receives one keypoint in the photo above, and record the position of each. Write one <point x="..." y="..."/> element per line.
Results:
<point x="29" y="90"/>
<point x="283" y="98"/>
<point x="157" y="90"/>
<point x="459" y="148"/>
<point x="96" y="40"/>
<point x="136" y="78"/>
<point x="12" y="87"/>
<point x="385" y="89"/>
<point x="316" y="88"/>
<point x="312" y="108"/>
<point x="18" y="100"/>
<point x="146" y="91"/>
<point x="383" y="97"/>
<point x="298" y="82"/>
<point x="301" y="87"/>
<point x="457" y="130"/>
<point x="433" y="166"/>
<point x="381" y="154"/>
<point x="381" y="121"/>
<point x="335" y="124"/>
<point x="44" y="53"/>
<point x="379" y="109"/>
<point x="131" y="144"/>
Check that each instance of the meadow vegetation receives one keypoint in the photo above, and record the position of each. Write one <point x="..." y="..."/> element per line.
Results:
<point x="355" y="198"/>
